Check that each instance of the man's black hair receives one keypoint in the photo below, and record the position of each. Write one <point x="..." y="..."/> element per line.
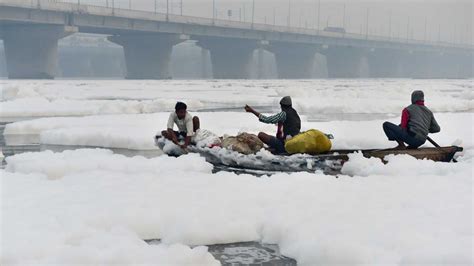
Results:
<point x="180" y="106"/>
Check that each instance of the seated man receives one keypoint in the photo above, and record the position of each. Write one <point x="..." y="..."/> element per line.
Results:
<point x="417" y="122"/>
<point x="187" y="125"/>
<point x="288" y="121"/>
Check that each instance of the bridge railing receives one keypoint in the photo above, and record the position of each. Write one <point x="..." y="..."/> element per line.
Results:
<point x="97" y="7"/>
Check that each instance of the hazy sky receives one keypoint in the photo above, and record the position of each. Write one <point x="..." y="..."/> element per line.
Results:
<point x="448" y="20"/>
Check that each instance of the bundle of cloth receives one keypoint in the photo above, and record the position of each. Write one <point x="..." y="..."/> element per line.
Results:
<point x="310" y="142"/>
<point x="244" y="143"/>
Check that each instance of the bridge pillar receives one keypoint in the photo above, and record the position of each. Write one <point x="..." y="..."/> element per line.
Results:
<point x="205" y="67"/>
<point x="260" y="64"/>
<point x="147" y="56"/>
<point x="467" y="66"/>
<point x="31" y="51"/>
<point x="294" y="61"/>
<point x="346" y="62"/>
<point x="420" y="64"/>
<point x="386" y="63"/>
<point x="453" y="65"/>
<point x="230" y="58"/>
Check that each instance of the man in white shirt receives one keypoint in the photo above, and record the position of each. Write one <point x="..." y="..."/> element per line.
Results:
<point x="187" y="125"/>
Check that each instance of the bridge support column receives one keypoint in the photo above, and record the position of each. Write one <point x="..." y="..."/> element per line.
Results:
<point x="147" y="56"/>
<point x="420" y="64"/>
<point x="260" y="64"/>
<point x="385" y="63"/>
<point x="31" y="51"/>
<point x="451" y="65"/>
<point x="467" y="66"/>
<point x="230" y="58"/>
<point x="294" y="61"/>
<point x="205" y="73"/>
<point x="346" y="62"/>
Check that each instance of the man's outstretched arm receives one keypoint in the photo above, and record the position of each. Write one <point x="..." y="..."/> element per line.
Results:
<point x="274" y="119"/>
<point x="249" y="109"/>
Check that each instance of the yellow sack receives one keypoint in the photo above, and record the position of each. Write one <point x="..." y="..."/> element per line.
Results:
<point x="312" y="142"/>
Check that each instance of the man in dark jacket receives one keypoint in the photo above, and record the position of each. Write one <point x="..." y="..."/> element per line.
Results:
<point x="288" y="122"/>
<point x="417" y="122"/>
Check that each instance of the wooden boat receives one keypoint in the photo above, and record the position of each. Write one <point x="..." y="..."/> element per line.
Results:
<point x="330" y="162"/>
<point x="439" y="154"/>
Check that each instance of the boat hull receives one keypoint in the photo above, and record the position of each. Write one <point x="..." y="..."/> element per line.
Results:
<point x="330" y="163"/>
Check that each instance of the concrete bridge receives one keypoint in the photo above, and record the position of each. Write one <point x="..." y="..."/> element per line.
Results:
<point x="31" y="29"/>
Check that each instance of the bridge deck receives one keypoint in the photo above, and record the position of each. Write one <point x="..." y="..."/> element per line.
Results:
<point x="107" y="20"/>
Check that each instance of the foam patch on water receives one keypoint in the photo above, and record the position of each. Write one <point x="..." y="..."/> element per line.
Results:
<point x="64" y="207"/>
<point x="138" y="131"/>
<point x="72" y="98"/>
